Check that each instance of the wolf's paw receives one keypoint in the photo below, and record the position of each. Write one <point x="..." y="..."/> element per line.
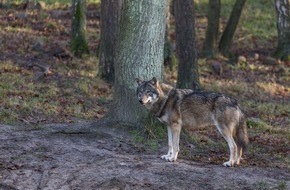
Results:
<point x="170" y="159"/>
<point x="166" y="156"/>
<point x="228" y="164"/>
<point x="237" y="162"/>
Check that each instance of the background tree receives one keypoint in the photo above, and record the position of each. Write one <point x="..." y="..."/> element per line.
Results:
<point x="110" y="18"/>
<point x="3" y="2"/>
<point x="213" y="16"/>
<point x="79" y="44"/>
<point x="139" y="54"/>
<point x="185" y="45"/>
<point x="228" y="34"/>
<point x="283" y="26"/>
<point x="168" y="50"/>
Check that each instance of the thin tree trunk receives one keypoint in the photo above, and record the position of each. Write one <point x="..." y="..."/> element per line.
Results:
<point x="3" y="3"/>
<point x="139" y="54"/>
<point x="168" y="52"/>
<point x="228" y="34"/>
<point x="213" y="16"/>
<point x="79" y="45"/>
<point x="283" y="26"/>
<point x="110" y="19"/>
<point x="185" y="45"/>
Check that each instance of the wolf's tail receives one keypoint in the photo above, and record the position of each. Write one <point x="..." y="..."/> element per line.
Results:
<point x="241" y="132"/>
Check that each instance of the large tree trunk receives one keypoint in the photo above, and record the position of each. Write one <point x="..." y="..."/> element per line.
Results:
<point x="139" y="54"/>
<point x="185" y="45"/>
<point x="228" y="34"/>
<point x="79" y="43"/>
<point x="283" y="26"/>
<point x="110" y="19"/>
<point x="213" y="16"/>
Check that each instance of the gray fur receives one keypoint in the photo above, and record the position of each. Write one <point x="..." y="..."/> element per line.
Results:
<point x="179" y="108"/>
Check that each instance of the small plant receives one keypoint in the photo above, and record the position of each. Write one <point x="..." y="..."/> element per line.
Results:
<point x="51" y="26"/>
<point x="153" y="128"/>
<point x="282" y="185"/>
<point x="261" y="185"/>
<point x="151" y="133"/>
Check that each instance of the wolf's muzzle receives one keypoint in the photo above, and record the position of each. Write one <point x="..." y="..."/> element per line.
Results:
<point x="141" y="102"/>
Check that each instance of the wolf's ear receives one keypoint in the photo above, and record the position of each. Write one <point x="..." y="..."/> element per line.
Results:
<point x="154" y="81"/>
<point x="138" y="81"/>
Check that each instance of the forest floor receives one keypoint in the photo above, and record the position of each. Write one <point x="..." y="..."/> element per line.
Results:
<point x="89" y="156"/>
<point x="42" y="85"/>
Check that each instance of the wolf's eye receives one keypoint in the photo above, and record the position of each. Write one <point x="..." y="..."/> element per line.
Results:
<point x="148" y="91"/>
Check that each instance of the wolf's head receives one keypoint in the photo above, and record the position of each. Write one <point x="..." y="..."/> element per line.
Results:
<point x="148" y="92"/>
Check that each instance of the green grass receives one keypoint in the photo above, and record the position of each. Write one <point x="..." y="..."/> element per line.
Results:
<point x="50" y="2"/>
<point x="258" y="124"/>
<point x="282" y="185"/>
<point x="258" y="18"/>
<point x="263" y="185"/>
<point x="150" y="134"/>
<point x="22" y="98"/>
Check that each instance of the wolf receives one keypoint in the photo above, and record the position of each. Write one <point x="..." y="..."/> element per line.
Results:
<point x="185" y="108"/>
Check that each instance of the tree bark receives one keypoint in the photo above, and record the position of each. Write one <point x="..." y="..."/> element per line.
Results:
<point x="79" y="45"/>
<point x="283" y="26"/>
<point x="110" y="19"/>
<point x="139" y="54"/>
<point x="185" y="45"/>
<point x="213" y="16"/>
<point x="168" y="51"/>
<point x="228" y="34"/>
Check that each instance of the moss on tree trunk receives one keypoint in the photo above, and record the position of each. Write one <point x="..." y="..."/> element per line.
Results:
<point x="79" y="45"/>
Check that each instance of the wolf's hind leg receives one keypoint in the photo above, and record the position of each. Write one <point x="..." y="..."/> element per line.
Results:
<point x="227" y="133"/>
<point x="233" y="151"/>
<point x="239" y="156"/>
<point x="170" y="148"/>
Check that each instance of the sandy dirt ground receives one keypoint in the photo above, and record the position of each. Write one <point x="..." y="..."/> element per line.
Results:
<point x="88" y="156"/>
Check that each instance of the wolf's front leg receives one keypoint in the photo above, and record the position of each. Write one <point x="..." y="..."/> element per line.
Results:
<point x="233" y="151"/>
<point x="170" y="149"/>
<point x="175" y="130"/>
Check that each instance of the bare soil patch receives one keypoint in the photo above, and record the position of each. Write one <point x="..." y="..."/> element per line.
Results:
<point x="99" y="156"/>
